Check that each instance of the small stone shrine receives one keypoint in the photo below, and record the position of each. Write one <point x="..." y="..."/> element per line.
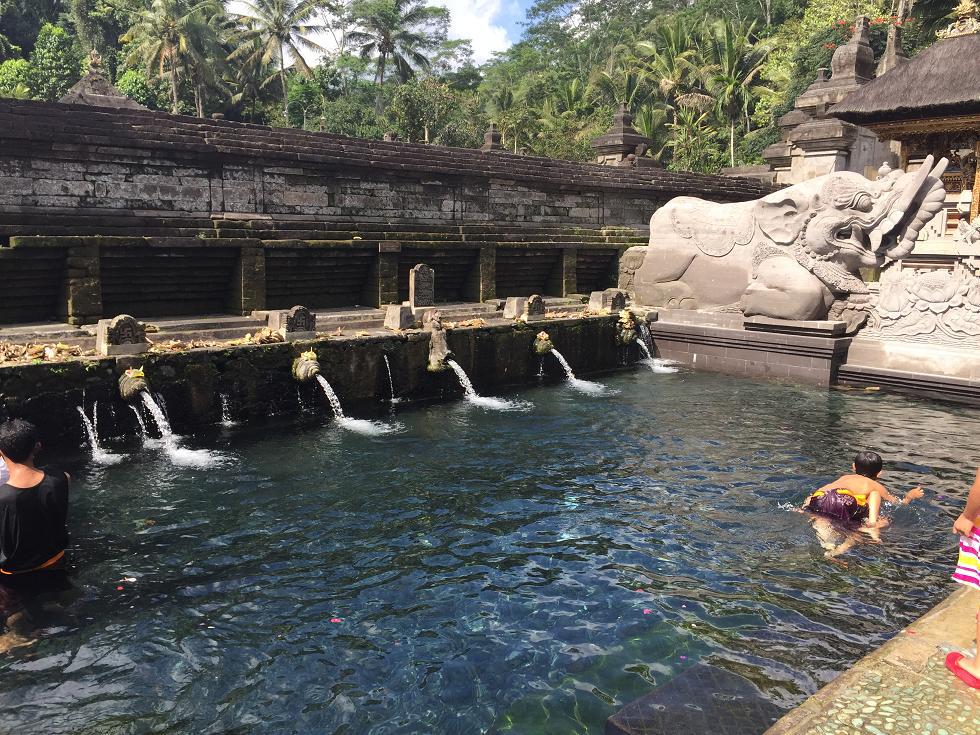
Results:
<point x="399" y="317"/>
<point x="421" y="287"/>
<point x="514" y="307"/>
<point x="534" y="309"/>
<point x="298" y="323"/>
<point x="121" y="335"/>
<point x="610" y="301"/>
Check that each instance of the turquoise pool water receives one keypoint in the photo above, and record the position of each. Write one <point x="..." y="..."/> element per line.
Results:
<point x="485" y="571"/>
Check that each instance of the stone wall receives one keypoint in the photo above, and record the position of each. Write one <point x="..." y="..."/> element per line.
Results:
<point x="111" y="165"/>
<point x="257" y="383"/>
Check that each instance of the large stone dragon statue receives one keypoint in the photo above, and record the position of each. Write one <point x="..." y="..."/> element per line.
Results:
<point x="794" y="254"/>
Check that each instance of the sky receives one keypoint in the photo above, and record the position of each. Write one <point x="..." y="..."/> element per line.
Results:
<point x="491" y="25"/>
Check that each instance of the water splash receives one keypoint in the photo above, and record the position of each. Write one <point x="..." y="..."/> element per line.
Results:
<point x="144" y="434"/>
<point x="99" y="455"/>
<point x="199" y="458"/>
<point x="583" y="386"/>
<point x="226" y="420"/>
<point x="358" y="426"/>
<point x="391" y="384"/>
<point x="496" y="404"/>
<point x="656" y="364"/>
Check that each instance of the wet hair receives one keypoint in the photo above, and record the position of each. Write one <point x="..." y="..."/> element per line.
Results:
<point x="867" y="464"/>
<point x="18" y="438"/>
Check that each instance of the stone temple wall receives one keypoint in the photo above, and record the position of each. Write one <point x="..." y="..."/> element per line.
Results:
<point x="78" y="159"/>
<point x="105" y="210"/>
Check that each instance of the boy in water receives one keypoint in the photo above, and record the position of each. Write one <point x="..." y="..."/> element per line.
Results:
<point x="33" y="531"/>
<point x="853" y="502"/>
<point x="967" y="526"/>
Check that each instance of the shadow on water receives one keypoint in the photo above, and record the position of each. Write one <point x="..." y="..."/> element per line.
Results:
<point x="488" y="571"/>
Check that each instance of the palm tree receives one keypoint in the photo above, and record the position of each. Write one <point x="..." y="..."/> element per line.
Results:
<point x="670" y="62"/>
<point x="167" y="36"/>
<point x="395" y="31"/>
<point x="621" y="86"/>
<point x="734" y="65"/>
<point x="273" y="27"/>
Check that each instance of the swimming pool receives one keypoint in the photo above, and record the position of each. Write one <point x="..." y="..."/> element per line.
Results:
<point x="487" y="571"/>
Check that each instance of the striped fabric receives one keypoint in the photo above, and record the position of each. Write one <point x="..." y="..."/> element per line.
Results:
<point x="968" y="565"/>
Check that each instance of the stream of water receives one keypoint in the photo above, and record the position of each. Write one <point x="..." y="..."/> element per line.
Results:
<point x="471" y="396"/>
<point x="359" y="426"/>
<point x="583" y="386"/>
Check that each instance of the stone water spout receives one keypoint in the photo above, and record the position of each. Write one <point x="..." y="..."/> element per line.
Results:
<point x="132" y="383"/>
<point x="626" y="328"/>
<point x="306" y="367"/>
<point x="543" y="344"/>
<point x="438" y="345"/>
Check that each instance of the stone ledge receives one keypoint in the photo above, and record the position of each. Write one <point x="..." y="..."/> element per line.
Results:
<point x="919" y="385"/>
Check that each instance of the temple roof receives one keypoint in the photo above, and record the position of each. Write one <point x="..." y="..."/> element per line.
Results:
<point x="942" y="80"/>
<point x="95" y="90"/>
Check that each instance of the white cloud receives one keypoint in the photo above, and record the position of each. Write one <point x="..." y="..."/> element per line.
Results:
<point x="474" y="21"/>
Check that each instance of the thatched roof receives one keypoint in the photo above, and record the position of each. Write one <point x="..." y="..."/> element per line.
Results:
<point x="942" y="80"/>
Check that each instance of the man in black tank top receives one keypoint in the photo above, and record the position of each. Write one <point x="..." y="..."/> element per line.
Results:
<point x="33" y="529"/>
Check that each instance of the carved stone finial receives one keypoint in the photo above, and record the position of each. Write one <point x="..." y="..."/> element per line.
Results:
<point x="492" y="140"/>
<point x="390" y="137"/>
<point x="295" y="324"/>
<point x="534" y="309"/>
<point x="622" y="139"/>
<point x="855" y="60"/>
<point x="94" y="59"/>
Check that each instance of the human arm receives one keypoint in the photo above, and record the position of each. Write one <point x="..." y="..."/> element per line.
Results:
<point x="964" y="524"/>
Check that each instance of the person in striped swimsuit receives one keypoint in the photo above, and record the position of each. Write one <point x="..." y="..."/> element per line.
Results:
<point x="967" y="526"/>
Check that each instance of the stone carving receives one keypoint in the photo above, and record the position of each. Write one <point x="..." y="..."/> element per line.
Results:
<point x="438" y="344"/>
<point x="929" y="306"/>
<point x="609" y="301"/>
<point x="296" y="324"/>
<point x="121" y="335"/>
<point x="131" y="383"/>
<point x="399" y="317"/>
<point x="968" y="232"/>
<point x="421" y="286"/>
<point x="306" y="367"/>
<point x="543" y="344"/>
<point x="626" y="328"/>
<point x="534" y="309"/>
<point x="514" y="307"/>
<point x="791" y="254"/>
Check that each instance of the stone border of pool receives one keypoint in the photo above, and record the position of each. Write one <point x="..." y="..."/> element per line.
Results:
<point x="256" y="380"/>
<point x="901" y="687"/>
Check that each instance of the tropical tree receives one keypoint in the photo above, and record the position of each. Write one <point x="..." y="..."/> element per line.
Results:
<point x="734" y="63"/>
<point x="669" y="57"/>
<point x="169" y="37"/>
<point x="55" y="64"/>
<point x="399" y="33"/>
<point x="271" y="28"/>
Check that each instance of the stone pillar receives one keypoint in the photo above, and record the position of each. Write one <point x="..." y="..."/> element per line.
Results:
<point x="569" y="271"/>
<point x="249" y="292"/>
<point x="383" y="283"/>
<point x="83" y="303"/>
<point x="487" y="288"/>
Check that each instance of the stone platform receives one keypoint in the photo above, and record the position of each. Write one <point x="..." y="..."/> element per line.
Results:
<point x="803" y="352"/>
<point x="903" y="688"/>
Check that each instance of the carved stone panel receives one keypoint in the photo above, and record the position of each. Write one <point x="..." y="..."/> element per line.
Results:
<point x="929" y="306"/>
<point x="534" y="309"/>
<point x="121" y="335"/>
<point x="422" y="286"/>
<point x="295" y="324"/>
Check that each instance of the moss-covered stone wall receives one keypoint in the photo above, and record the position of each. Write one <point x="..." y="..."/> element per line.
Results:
<point x="257" y="383"/>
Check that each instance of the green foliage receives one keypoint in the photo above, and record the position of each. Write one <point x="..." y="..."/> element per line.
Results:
<point x="21" y="20"/>
<point x="429" y="111"/>
<point x="14" y="75"/>
<point x="56" y="64"/>
<point x="153" y="94"/>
